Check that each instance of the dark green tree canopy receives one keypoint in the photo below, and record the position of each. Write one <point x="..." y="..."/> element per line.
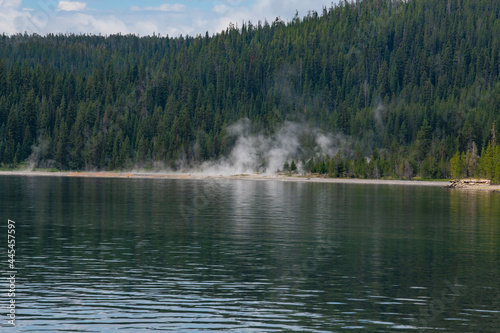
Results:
<point x="419" y="80"/>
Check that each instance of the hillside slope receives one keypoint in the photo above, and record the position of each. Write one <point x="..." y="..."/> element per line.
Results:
<point x="411" y="83"/>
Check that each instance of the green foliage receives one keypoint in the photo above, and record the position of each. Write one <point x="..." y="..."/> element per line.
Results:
<point x="489" y="163"/>
<point x="286" y="166"/>
<point x="456" y="166"/>
<point x="410" y="82"/>
<point x="424" y="138"/>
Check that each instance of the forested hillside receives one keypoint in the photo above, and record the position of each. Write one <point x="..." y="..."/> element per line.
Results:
<point x="415" y="84"/>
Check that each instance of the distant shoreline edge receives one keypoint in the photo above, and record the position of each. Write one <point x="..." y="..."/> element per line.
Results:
<point x="254" y="177"/>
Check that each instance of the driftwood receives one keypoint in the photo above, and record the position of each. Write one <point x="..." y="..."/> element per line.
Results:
<point x="468" y="183"/>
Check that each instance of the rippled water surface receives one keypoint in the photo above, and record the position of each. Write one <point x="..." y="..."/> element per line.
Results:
<point x="134" y="255"/>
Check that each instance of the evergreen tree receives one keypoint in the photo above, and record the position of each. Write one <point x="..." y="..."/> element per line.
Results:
<point x="456" y="166"/>
<point x="386" y="77"/>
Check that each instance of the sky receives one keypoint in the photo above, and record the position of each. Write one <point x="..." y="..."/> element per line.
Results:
<point x="163" y="17"/>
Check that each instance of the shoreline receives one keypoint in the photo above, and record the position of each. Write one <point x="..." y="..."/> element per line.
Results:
<point x="145" y="175"/>
<point x="254" y="177"/>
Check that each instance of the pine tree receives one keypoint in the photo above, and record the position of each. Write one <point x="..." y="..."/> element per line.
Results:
<point x="286" y="166"/>
<point x="456" y="166"/>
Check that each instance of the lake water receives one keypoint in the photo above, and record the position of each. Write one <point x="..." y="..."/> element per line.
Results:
<point x="134" y="255"/>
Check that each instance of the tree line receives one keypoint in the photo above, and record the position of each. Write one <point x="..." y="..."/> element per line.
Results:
<point x="465" y="164"/>
<point x="415" y="83"/>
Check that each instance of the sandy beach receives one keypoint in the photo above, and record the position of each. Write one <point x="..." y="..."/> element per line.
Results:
<point x="254" y="177"/>
<point x="222" y="177"/>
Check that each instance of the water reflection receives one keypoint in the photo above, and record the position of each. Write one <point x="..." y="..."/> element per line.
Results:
<point x="136" y="255"/>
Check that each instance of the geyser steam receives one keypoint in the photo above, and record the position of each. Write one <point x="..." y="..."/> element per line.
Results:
<point x="267" y="153"/>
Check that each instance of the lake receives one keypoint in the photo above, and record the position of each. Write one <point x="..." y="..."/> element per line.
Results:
<point x="134" y="255"/>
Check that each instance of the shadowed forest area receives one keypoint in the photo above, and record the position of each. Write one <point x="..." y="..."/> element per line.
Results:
<point x="413" y="87"/>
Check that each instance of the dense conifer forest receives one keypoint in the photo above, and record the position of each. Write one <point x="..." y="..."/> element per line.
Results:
<point x="414" y="84"/>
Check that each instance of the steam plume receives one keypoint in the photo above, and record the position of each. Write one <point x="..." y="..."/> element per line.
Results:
<point x="256" y="152"/>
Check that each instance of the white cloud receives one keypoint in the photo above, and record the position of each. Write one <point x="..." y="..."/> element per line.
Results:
<point x="171" y="19"/>
<point x="86" y="23"/>
<point x="166" y="7"/>
<point x="220" y="9"/>
<point x="10" y="3"/>
<point x="12" y="17"/>
<point x="146" y="26"/>
<point x="237" y="11"/>
<point x="70" y="6"/>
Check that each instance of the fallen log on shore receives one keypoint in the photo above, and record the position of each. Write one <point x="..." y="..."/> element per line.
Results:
<point x="469" y="183"/>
